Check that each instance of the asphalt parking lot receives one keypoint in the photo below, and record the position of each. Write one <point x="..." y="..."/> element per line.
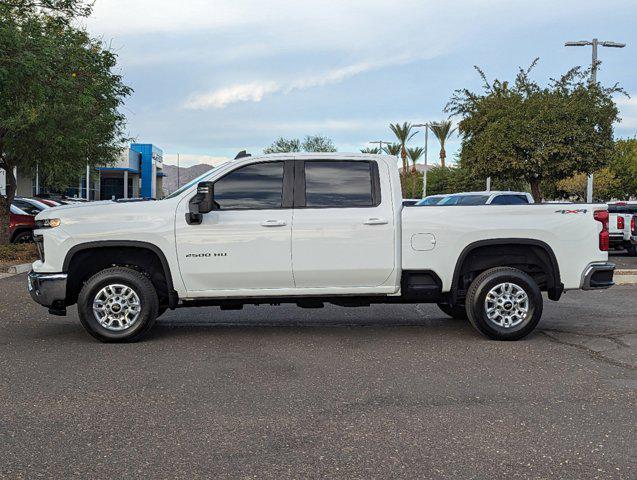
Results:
<point x="622" y="260"/>
<point x="283" y="392"/>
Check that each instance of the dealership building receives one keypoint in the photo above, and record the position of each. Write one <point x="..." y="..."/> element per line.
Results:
<point x="137" y="173"/>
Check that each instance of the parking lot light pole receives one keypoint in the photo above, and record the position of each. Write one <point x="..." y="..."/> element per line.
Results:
<point x="594" y="44"/>
<point x="424" y="173"/>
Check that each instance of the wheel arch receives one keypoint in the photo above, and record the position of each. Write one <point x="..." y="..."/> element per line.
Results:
<point x="18" y="231"/>
<point x="554" y="286"/>
<point x="129" y="247"/>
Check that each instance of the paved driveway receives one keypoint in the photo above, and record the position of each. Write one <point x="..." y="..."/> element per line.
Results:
<point x="282" y="392"/>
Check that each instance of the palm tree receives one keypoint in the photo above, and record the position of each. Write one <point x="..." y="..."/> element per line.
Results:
<point x="403" y="134"/>
<point x="374" y="150"/>
<point x="414" y="155"/>
<point x="392" y="149"/>
<point x="442" y="131"/>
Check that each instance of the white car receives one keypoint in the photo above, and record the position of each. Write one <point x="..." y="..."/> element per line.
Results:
<point x="487" y="198"/>
<point x="311" y="229"/>
<point x="431" y="200"/>
<point x="29" y="205"/>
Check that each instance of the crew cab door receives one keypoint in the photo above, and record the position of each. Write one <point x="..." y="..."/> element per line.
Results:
<point x="343" y="233"/>
<point x="246" y="243"/>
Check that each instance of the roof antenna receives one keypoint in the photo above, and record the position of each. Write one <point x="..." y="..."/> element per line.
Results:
<point x="242" y="154"/>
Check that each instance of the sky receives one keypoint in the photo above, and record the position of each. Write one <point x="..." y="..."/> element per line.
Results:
<point x="213" y="77"/>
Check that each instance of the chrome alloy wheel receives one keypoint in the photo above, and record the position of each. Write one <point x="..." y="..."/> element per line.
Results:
<point x="116" y="307"/>
<point x="506" y="305"/>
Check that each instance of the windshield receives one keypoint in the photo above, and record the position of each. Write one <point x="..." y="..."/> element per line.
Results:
<point x="29" y="208"/>
<point x="193" y="182"/>
<point x="430" y="200"/>
<point x="465" y="200"/>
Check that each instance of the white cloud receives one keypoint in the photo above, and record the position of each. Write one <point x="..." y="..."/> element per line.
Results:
<point x="247" y="92"/>
<point x="628" y="114"/>
<point x="256" y="91"/>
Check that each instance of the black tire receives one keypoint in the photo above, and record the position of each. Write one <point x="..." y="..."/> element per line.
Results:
<point x="25" y="236"/>
<point x="142" y="287"/>
<point x="631" y="250"/>
<point x="459" y="312"/>
<point x="494" y="329"/>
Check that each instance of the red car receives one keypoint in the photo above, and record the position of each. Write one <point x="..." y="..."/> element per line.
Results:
<point x="21" y="226"/>
<point x="48" y="201"/>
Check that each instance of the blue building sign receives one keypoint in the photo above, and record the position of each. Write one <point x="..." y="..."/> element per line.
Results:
<point x="152" y="164"/>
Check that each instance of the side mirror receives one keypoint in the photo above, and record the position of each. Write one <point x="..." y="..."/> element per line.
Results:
<point x="202" y="202"/>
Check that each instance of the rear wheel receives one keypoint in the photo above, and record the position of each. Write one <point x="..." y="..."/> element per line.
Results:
<point x="458" y="312"/>
<point x="118" y="305"/>
<point x="632" y="250"/>
<point x="504" y="303"/>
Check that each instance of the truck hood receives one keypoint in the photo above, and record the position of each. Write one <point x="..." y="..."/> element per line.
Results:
<point x="93" y="210"/>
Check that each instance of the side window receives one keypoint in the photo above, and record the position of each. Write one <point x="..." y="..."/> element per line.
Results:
<point x="340" y="184"/>
<point x="472" y="199"/>
<point x="510" y="200"/>
<point x="257" y="186"/>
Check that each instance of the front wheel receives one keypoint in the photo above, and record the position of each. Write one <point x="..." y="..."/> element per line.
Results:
<point x="118" y="304"/>
<point x="23" y="237"/>
<point x="504" y="303"/>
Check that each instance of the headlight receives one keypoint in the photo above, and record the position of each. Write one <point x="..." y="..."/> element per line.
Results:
<point x="48" y="223"/>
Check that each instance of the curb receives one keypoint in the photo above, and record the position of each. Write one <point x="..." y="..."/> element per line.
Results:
<point x="625" y="276"/>
<point x="16" y="269"/>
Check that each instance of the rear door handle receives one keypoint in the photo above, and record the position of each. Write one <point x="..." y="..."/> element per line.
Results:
<point x="273" y="223"/>
<point x="375" y="221"/>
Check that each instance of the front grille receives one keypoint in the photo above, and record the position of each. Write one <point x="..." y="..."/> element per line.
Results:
<point x="39" y="243"/>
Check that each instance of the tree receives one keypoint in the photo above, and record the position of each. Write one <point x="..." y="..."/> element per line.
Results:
<point x="59" y="97"/>
<point x="392" y="149"/>
<point x="442" y="131"/>
<point x="403" y="134"/>
<point x="414" y="155"/>
<point x="623" y="165"/>
<point x="522" y="130"/>
<point x="312" y="143"/>
<point x="373" y="151"/>
<point x="318" y="143"/>
<point x="606" y="186"/>
<point x="284" y="145"/>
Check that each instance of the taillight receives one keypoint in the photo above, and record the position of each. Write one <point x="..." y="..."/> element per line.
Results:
<point x="633" y="225"/>
<point x="602" y="217"/>
<point x="620" y="222"/>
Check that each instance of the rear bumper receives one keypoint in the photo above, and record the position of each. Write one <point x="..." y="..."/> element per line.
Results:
<point x="598" y="276"/>
<point x="48" y="289"/>
<point x="616" y="239"/>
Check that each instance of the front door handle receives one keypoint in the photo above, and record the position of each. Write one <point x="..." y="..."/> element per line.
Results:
<point x="376" y="221"/>
<point x="273" y="223"/>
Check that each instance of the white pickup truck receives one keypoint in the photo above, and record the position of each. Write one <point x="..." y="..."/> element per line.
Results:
<point x="309" y="229"/>
<point x="621" y="227"/>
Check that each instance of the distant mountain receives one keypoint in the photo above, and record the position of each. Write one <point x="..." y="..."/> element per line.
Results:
<point x="186" y="174"/>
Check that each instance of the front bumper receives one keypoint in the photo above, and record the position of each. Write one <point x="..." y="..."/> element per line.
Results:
<point x="48" y="289"/>
<point x="598" y="276"/>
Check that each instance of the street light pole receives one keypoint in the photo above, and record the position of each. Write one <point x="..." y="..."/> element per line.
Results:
<point x="424" y="173"/>
<point x="594" y="44"/>
<point x="178" y="172"/>
<point x="380" y="144"/>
